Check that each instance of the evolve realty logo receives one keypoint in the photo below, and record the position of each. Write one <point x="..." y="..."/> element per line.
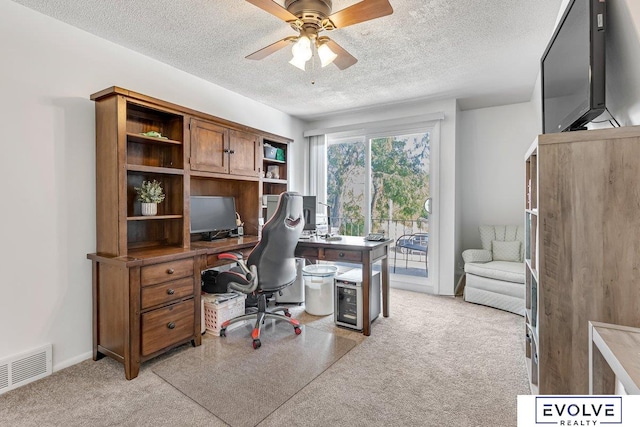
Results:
<point x="578" y="410"/>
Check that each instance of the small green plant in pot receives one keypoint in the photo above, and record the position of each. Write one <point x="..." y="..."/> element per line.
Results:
<point x="150" y="194"/>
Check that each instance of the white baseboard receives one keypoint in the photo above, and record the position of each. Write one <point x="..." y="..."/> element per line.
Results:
<point x="72" y="361"/>
<point x="415" y="287"/>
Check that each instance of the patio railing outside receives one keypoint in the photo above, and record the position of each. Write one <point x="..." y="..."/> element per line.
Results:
<point x="409" y="262"/>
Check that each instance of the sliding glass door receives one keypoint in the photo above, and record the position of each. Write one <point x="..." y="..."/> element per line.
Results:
<point x="381" y="183"/>
<point x="347" y="176"/>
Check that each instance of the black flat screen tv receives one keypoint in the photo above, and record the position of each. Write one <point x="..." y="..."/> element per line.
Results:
<point x="212" y="214"/>
<point x="573" y="68"/>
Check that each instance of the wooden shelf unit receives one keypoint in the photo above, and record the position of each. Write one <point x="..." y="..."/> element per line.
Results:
<point x="146" y="275"/>
<point x="274" y="186"/>
<point x="582" y="238"/>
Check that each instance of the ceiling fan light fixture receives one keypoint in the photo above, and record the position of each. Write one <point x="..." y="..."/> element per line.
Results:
<point x="302" y="48"/>
<point x="301" y="51"/>
<point x="326" y="54"/>
<point x="298" y="62"/>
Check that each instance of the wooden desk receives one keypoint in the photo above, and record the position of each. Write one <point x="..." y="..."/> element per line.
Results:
<point x="356" y="250"/>
<point x="614" y="353"/>
<point x="351" y="249"/>
<point x="242" y="244"/>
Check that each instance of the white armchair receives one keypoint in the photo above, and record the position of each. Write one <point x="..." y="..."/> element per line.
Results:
<point x="495" y="273"/>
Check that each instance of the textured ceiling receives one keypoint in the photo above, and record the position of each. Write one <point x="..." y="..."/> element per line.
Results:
<point x="483" y="52"/>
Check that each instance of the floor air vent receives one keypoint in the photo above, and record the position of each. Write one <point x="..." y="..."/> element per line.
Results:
<point x="21" y="369"/>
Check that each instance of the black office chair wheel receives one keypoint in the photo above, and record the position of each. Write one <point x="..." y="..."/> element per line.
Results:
<point x="223" y="332"/>
<point x="297" y="330"/>
<point x="256" y="344"/>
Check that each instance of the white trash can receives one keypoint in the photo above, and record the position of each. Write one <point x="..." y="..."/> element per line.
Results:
<point x="318" y="288"/>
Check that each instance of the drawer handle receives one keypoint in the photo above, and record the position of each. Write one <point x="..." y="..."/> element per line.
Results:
<point x="171" y="291"/>
<point x="170" y="271"/>
<point x="171" y="325"/>
<point x="341" y="254"/>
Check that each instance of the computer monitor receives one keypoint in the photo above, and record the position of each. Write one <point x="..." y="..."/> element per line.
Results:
<point x="309" y="212"/>
<point x="272" y="205"/>
<point x="308" y="209"/>
<point x="215" y="215"/>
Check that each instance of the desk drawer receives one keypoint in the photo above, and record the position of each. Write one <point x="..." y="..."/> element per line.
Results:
<point x="341" y="255"/>
<point x="166" y="292"/>
<point x="171" y="270"/>
<point x="166" y="326"/>
<point x="311" y="253"/>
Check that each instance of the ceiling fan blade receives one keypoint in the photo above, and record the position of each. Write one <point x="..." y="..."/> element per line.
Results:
<point x="274" y="47"/>
<point x="344" y="59"/>
<point x="360" y="12"/>
<point x="275" y="9"/>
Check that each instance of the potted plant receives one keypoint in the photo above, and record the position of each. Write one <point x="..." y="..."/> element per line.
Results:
<point x="150" y="194"/>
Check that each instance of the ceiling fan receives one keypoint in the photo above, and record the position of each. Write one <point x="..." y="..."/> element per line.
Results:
<point x="309" y="18"/>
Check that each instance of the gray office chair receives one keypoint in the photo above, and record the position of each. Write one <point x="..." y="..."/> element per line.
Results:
<point x="270" y="267"/>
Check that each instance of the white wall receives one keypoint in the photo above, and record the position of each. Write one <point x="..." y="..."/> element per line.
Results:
<point x="493" y="142"/>
<point x="498" y="137"/>
<point x="448" y="186"/>
<point x="623" y="61"/>
<point x="47" y="220"/>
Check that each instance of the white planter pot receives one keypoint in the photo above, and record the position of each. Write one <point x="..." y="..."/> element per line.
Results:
<point x="149" y="209"/>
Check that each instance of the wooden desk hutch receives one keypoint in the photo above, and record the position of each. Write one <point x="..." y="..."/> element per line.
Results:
<point x="146" y="274"/>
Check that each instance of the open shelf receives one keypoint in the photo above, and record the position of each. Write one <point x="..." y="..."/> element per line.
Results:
<point x="153" y="218"/>
<point x="279" y="184"/>
<point x="143" y="119"/>
<point x="275" y="181"/>
<point x="143" y="139"/>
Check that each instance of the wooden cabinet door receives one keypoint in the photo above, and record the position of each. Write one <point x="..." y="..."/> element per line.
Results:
<point x="209" y="147"/>
<point x="244" y="153"/>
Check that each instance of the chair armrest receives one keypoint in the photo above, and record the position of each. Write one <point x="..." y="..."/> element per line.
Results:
<point x="236" y="257"/>
<point x="247" y="280"/>
<point x="251" y="278"/>
<point x="477" y="255"/>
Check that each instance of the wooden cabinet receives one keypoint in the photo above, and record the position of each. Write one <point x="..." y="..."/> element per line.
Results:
<point x="218" y="149"/>
<point x="209" y="147"/>
<point x="146" y="305"/>
<point x="245" y="153"/>
<point x="146" y="275"/>
<point x="582" y="244"/>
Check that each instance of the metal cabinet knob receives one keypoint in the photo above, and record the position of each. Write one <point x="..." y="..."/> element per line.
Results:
<point x="170" y="271"/>
<point x="341" y="254"/>
<point x="171" y="325"/>
<point x="171" y="291"/>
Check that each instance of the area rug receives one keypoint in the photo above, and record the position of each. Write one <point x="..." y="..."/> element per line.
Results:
<point x="242" y="386"/>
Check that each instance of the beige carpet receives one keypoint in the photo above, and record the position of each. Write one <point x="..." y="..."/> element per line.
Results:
<point x="437" y="361"/>
<point x="242" y="386"/>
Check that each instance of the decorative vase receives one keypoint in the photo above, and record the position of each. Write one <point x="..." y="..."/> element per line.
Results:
<point x="149" y="209"/>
